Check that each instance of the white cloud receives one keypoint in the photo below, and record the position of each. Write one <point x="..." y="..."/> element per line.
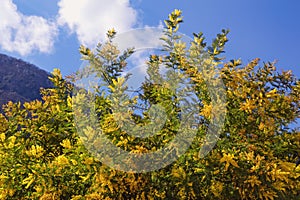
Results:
<point x="142" y="38"/>
<point x="146" y="42"/>
<point x="90" y="19"/>
<point x="24" y="34"/>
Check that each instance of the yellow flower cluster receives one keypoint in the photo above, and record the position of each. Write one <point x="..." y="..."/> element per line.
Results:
<point x="62" y="160"/>
<point x="35" y="151"/>
<point x="206" y="110"/>
<point x="12" y="140"/>
<point x="2" y="137"/>
<point x="66" y="143"/>
<point x="253" y="180"/>
<point x="217" y="188"/>
<point x="229" y="159"/>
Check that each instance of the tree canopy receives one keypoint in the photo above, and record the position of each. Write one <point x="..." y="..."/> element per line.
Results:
<point x="45" y="152"/>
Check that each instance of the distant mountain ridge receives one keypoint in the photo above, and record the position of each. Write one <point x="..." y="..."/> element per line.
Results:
<point x="20" y="80"/>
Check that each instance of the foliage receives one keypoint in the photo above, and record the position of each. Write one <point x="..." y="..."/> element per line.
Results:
<point x="42" y="156"/>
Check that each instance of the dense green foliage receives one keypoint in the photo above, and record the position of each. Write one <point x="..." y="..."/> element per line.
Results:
<point x="42" y="156"/>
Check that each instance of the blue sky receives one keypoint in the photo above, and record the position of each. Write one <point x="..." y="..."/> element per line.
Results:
<point x="54" y="29"/>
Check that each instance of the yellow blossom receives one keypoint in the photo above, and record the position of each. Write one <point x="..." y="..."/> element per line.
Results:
<point x="177" y="12"/>
<point x="35" y="151"/>
<point x="229" y="159"/>
<point x="272" y="93"/>
<point x="74" y="162"/>
<point x="261" y="126"/>
<point x="62" y="160"/>
<point x="248" y="106"/>
<point x="206" y="110"/>
<point x="12" y="140"/>
<point x="111" y="32"/>
<point x="217" y="188"/>
<point x="28" y="181"/>
<point x="2" y="137"/>
<point x="249" y="156"/>
<point x="66" y="143"/>
<point x="2" y="178"/>
<point x="253" y="180"/>
<point x="89" y="161"/>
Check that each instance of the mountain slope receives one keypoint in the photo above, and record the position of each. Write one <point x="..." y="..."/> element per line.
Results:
<point x="20" y="80"/>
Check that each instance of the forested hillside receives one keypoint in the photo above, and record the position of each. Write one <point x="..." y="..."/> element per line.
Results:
<point x="20" y="80"/>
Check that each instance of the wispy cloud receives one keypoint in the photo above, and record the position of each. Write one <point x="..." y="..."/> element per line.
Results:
<point x="90" y="19"/>
<point x="141" y="38"/>
<point x="146" y="42"/>
<point x="24" y="34"/>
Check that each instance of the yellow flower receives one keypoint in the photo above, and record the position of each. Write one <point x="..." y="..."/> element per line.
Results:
<point x="28" y="181"/>
<point x="111" y="32"/>
<point x="38" y="189"/>
<point x="206" y="110"/>
<point x="35" y="151"/>
<point x="62" y="160"/>
<point x="261" y="126"/>
<point x="12" y="140"/>
<point x="2" y="137"/>
<point x="66" y="143"/>
<point x="249" y="156"/>
<point x="2" y="179"/>
<point x="74" y="162"/>
<point x="217" y="188"/>
<point x="179" y="173"/>
<point x="229" y="159"/>
<point x="177" y="12"/>
<point x="253" y="180"/>
<point x="77" y="197"/>
<point x="69" y="101"/>
<point x="272" y="93"/>
<point x="89" y="161"/>
<point x="248" y="106"/>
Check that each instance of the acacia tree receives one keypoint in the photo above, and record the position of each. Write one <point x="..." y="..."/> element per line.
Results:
<point x="43" y="157"/>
